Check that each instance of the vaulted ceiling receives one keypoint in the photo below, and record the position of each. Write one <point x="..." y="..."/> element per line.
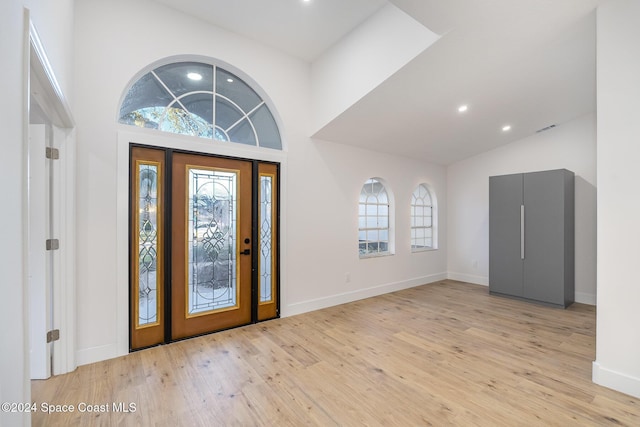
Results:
<point x="529" y="64"/>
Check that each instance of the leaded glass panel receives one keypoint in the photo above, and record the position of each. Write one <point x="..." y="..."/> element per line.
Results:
<point x="212" y="222"/>
<point x="266" y="237"/>
<point x="148" y="222"/>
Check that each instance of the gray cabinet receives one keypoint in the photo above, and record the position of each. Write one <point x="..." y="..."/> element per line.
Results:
<point x="531" y="236"/>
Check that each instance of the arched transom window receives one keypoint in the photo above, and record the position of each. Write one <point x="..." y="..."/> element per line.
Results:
<point x="422" y="219"/>
<point x="373" y="228"/>
<point x="198" y="99"/>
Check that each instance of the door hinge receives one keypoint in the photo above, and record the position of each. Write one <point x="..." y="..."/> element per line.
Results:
<point x="53" y="244"/>
<point x="53" y="335"/>
<point x="52" y="153"/>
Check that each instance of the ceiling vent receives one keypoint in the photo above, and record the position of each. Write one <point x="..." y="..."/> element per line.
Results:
<point x="547" y="128"/>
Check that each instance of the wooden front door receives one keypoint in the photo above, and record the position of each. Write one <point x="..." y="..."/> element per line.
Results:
<point x="204" y="244"/>
<point x="211" y="244"/>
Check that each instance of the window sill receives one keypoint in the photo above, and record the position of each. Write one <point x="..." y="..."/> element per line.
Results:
<point x="417" y="251"/>
<point x="376" y="255"/>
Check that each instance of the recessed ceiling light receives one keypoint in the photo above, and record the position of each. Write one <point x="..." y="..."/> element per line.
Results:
<point x="506" y="128"/>
<point x="230" y="80"/>
<point x="463" y="108"/>
<point x="194" y="76"/>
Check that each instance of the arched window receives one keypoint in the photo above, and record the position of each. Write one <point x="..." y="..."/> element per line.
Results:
<point x="199" y="99"/>
<point x="423" y="215"/>
<point x="374" y="219"/>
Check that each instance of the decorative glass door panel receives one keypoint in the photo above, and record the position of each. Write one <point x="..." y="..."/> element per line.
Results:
<point x="147" y="246"/>
<point x="148" y="227"/>
<point x="211" y="244"/>
<point x="212" y="241"/>
<point x="266" y="230"/>
<point x="267" y="242"/>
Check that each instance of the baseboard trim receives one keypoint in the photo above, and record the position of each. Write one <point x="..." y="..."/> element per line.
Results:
<point x="616" y="380"/>
<point x="584" y="298"/>
<point x="97" y="354"/>
<point x="469" y="278"/>
<point x="346" y="297"/>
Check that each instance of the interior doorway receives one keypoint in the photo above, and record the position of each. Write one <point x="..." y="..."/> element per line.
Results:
<point x="50" y="207"/>
<point x="203" y="244"/>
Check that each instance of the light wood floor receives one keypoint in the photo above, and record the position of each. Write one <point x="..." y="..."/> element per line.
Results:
<point x="447" y="353"/>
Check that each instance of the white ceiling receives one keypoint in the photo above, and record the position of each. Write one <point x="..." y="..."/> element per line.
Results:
<point x="302" y="29"/>
<point x="527" y="63"/>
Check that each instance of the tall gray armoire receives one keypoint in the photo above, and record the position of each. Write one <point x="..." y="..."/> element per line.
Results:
<point x="531" y="236"/>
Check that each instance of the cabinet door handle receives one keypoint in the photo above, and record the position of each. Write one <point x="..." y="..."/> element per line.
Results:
<point x="521" y="231"/>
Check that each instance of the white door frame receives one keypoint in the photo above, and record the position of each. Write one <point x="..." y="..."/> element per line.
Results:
<point x="43" y="88"/>
<point x="38" y="257"/>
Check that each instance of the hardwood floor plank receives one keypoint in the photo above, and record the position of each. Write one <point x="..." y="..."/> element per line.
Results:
<point x="446" y="353"/>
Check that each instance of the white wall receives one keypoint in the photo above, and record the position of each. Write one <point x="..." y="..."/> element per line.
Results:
<point x="53" y="27"/>
<point x="324" y="185"/>
<point x="617" y="339"/>
<point x="363" y="59"/>
<point x="321" y="181"/>
<point x="54" y="22"/>
<point x="571" y="146"/>
<point x="14" y="385"/>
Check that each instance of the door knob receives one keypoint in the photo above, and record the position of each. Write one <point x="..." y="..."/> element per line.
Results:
<point x="246" y="252"/>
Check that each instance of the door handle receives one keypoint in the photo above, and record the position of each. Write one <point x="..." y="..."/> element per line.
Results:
<point x="246" y="252"/>
<point x="522" y="236"/>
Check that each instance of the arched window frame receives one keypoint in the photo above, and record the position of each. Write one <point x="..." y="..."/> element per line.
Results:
<point x="375" y="219"/>
<point x="214" y="133"/>
<point x="424" y="219"/>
